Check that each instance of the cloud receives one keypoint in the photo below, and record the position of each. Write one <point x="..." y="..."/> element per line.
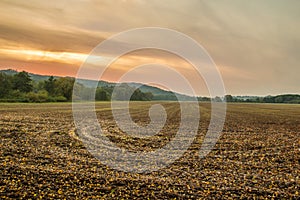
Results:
<point x="48" y="39"/>
<point x="257" y="39"/>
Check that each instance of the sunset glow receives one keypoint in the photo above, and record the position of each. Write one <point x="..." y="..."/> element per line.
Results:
<point x="47" y="56"/>
<point x="255" y="45"/>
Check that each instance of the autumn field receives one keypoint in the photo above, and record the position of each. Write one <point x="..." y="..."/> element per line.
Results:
<point x="257" y="155"/>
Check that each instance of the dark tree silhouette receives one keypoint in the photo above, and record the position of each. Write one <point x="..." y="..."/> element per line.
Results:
<point x="22" y="82"/>
<point x="5" y="85"/>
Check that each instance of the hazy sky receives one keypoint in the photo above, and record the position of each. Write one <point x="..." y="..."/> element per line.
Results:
<point x="255" y="44"/>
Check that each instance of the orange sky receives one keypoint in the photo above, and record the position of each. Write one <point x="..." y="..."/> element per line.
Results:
<point x="255" y="44"/>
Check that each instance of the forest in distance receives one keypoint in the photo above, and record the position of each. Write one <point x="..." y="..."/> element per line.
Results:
<point x="26" y="87"/>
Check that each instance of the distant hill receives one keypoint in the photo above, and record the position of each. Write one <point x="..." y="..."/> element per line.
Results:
<point x="158" y="94"/>
<point x="35" y="77"/>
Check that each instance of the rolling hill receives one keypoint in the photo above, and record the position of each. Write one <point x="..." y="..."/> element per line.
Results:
<point x="158" y="93"/>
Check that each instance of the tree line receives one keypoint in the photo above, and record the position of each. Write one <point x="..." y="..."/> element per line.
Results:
<point x="21" y="88"/>
<point x="284" y="98"/>
<point x="119" y="92"/>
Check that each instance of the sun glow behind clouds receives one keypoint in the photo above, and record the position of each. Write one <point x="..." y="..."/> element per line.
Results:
<point x="48" y="56"/>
